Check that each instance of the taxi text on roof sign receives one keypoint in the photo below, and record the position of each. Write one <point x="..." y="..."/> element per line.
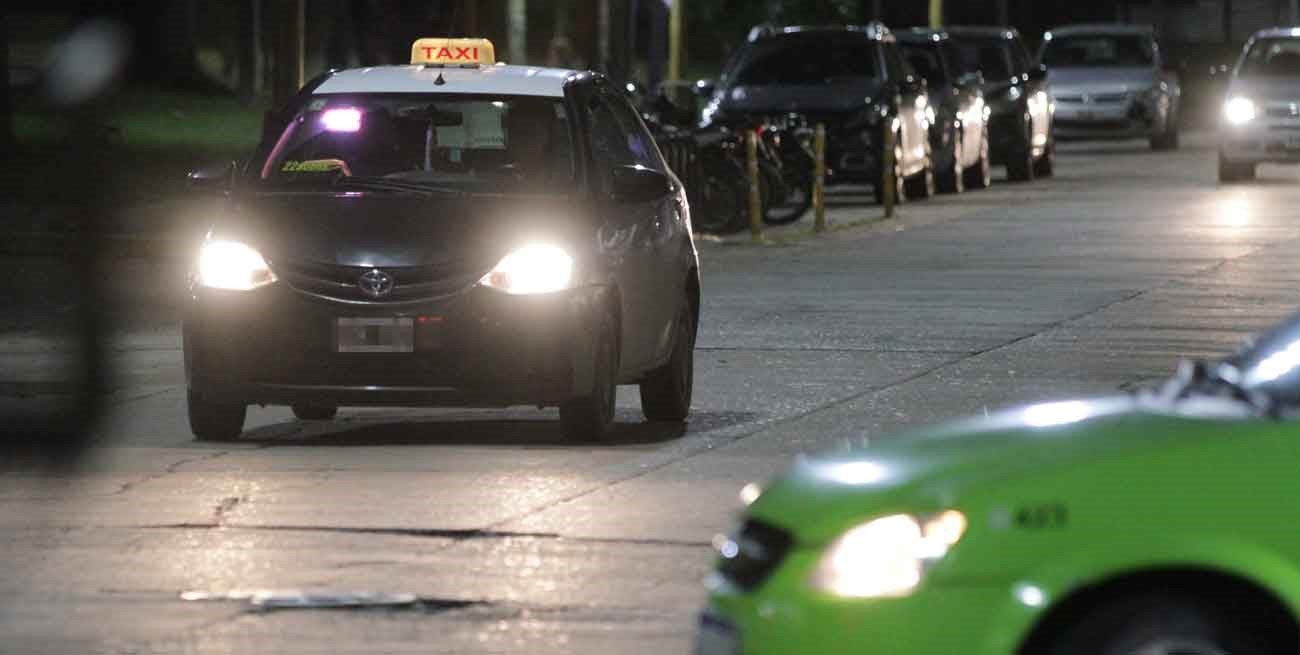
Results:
<point x="453" y="52"/>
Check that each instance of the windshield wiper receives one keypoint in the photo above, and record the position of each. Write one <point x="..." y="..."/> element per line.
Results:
<point x="1219" y="380"/>
<point x="387" y="184"/>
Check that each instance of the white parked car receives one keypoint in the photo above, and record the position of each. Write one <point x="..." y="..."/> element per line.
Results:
<point x="1261" y="114"/>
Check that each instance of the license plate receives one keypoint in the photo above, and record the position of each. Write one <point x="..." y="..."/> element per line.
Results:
<point x="375" y="335"/>
<point x="716" y="637"/>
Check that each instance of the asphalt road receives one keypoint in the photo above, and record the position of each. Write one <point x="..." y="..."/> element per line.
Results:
<point x="1090" y="283"/>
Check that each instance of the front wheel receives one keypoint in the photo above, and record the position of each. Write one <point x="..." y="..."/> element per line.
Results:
<point x="1045" y="166"/>
<point x="1158" y="624"/>
<point x="214" y="421"/>
<point x="899" y="182"/>
<point x="1020" y="167"/>
<point x="666" y="394"/>
<point x="921" y="185"/>
<point x="798" y="198"/>
<point x="590" y="417"/>
<point x="954" y="179"/>
<point x="980" y="176"/>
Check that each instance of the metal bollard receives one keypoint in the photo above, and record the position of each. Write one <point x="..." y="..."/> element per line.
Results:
<point x="755" y="196"/>
<point x="819" y="179"/>
<point x="887" y="176"/>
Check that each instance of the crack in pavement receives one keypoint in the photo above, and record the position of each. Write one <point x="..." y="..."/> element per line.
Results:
<point x="170" y="469"/>
<point x="456" y="535"/>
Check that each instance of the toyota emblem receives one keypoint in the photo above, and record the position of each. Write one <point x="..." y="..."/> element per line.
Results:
<point x="375" y="283"/>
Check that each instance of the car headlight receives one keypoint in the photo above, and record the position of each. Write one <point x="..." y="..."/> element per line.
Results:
<point x="1014" y="93"/>
<point x="886" y="556"/>
<point x="532" y="269"/>
<point x="1239" y="110"/>
<point x="232" y="265"/>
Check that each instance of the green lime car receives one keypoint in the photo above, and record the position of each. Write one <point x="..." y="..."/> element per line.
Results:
<point x="1166" y="522"/>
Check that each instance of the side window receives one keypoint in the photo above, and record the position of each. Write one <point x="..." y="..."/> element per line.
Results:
<point x="618" y="139"/>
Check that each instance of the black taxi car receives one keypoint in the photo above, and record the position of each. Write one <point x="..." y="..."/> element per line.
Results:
<point x="448" y="233"/>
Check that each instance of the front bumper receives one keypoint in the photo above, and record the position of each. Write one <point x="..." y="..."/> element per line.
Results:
<point x="276" y="345"/>
<point x="1271" y="142"/>
<point x="784" y="615"/>
<point x="1128" y="119"/>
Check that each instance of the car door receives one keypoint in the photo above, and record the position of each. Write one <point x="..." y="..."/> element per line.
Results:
<point x="627" y="232"/>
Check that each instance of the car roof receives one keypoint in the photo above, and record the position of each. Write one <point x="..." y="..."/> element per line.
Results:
<point x="500" y="80"/>
<point x="1101" y="28"/>
<point x="1277" y="33"/>
<point x="982" y="31"/>
<point x="875" y="31"/>
<point x="922" y="35"/>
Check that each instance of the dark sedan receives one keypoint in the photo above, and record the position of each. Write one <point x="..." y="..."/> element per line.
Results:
<point x="418" y="236"/>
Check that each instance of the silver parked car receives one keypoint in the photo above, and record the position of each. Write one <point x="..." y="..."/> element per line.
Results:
<point x="1261" y="113"/>
<point x="1111" y="82"/>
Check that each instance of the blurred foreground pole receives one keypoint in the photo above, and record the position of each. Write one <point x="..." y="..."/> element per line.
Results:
<point x="675" y="40"/>
<point x="936" y="13"/>
<point x="517" y="28"/>
<point x="819" y="179"/>
<point x="290" y="18"/>
<point x="755" y="194"/>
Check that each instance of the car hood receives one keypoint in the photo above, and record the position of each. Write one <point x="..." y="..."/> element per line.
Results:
<point x="391" y="229"/>
<point x="838" y="96"/>
<point x="1101" y="79"/>
<point x="819" y="498"/>
<point x="1264" y="90"/>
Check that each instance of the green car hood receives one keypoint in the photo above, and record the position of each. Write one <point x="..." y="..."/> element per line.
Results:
<point x="930" y="470"/>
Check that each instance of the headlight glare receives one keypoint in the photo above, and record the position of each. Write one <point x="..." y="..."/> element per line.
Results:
<point x="532" y="269"/>
<point x="886" y="556"/>
<point x="1239" y="110"/>
<point x="232" y="265"/>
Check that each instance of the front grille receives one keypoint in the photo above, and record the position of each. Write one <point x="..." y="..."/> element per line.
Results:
<point x="1282" y="111"/>
<point x="410" y="283"/>
<point x="760" y="548"/>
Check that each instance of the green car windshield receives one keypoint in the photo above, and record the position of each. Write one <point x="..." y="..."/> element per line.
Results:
<point x="470" y="143"/>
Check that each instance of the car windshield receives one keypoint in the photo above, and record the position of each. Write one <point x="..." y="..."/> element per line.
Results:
<point x="1272" y="58"/>
<point x="1098" y="51"/>
<point x="807" y="59"/>
<point x="470" y="143"/>
<point x="992" y="57"/>
<point x="925" y="60"/>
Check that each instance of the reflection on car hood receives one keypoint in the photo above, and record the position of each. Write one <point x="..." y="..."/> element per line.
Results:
<point x="1101" y="79"/>
<point x="387" y="229"/>
<point x="1267" y="89"/>
<point x="840" y="96"/>
<point x="818" y="498"/>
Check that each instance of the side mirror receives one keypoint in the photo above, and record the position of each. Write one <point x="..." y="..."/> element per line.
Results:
<point x="639" y="184"/>
<point x="705" y="87"/>
<point x="215" y="178"/>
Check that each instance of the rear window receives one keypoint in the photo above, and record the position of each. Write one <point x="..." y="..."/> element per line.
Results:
<point x="807" y="60"/>
<point x="1272" y="58"/>
<point x="1098" y="50"/>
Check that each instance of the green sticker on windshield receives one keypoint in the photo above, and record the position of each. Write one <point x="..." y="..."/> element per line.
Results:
<point x="315" y="166"/>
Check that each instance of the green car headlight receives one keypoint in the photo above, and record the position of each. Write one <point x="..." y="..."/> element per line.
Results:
<point x="886" y="556"/>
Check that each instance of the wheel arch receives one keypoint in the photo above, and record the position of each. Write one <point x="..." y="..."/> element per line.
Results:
<point x="1226" y="588"/>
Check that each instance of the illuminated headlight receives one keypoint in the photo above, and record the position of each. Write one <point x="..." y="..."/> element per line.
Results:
<point x="532" y="269"/>
<point x="232" y="265"/>
<point x="1014" y="93"/>
<point x="1239" y="111"/>
<point x="886" y="556"/>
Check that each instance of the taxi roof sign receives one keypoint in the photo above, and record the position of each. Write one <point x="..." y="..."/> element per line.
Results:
<point x="453" y="52"/>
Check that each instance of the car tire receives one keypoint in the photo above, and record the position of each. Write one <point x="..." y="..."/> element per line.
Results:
<point x="1230" y="171"/>
<point x="315" y="412"/>
<point x="590" y="417"/>
<point x="921" y="185"/>
<point x="1045" y="166"/>
<point x="214" y="421"/>
<point x="981" y="175"/>
<point x="900" y="182"/>
<point x="666" y="393"/>
<point x="1020" y="167"/>
<point x="954" y="179"/>
<point x="1160" y="624"/>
